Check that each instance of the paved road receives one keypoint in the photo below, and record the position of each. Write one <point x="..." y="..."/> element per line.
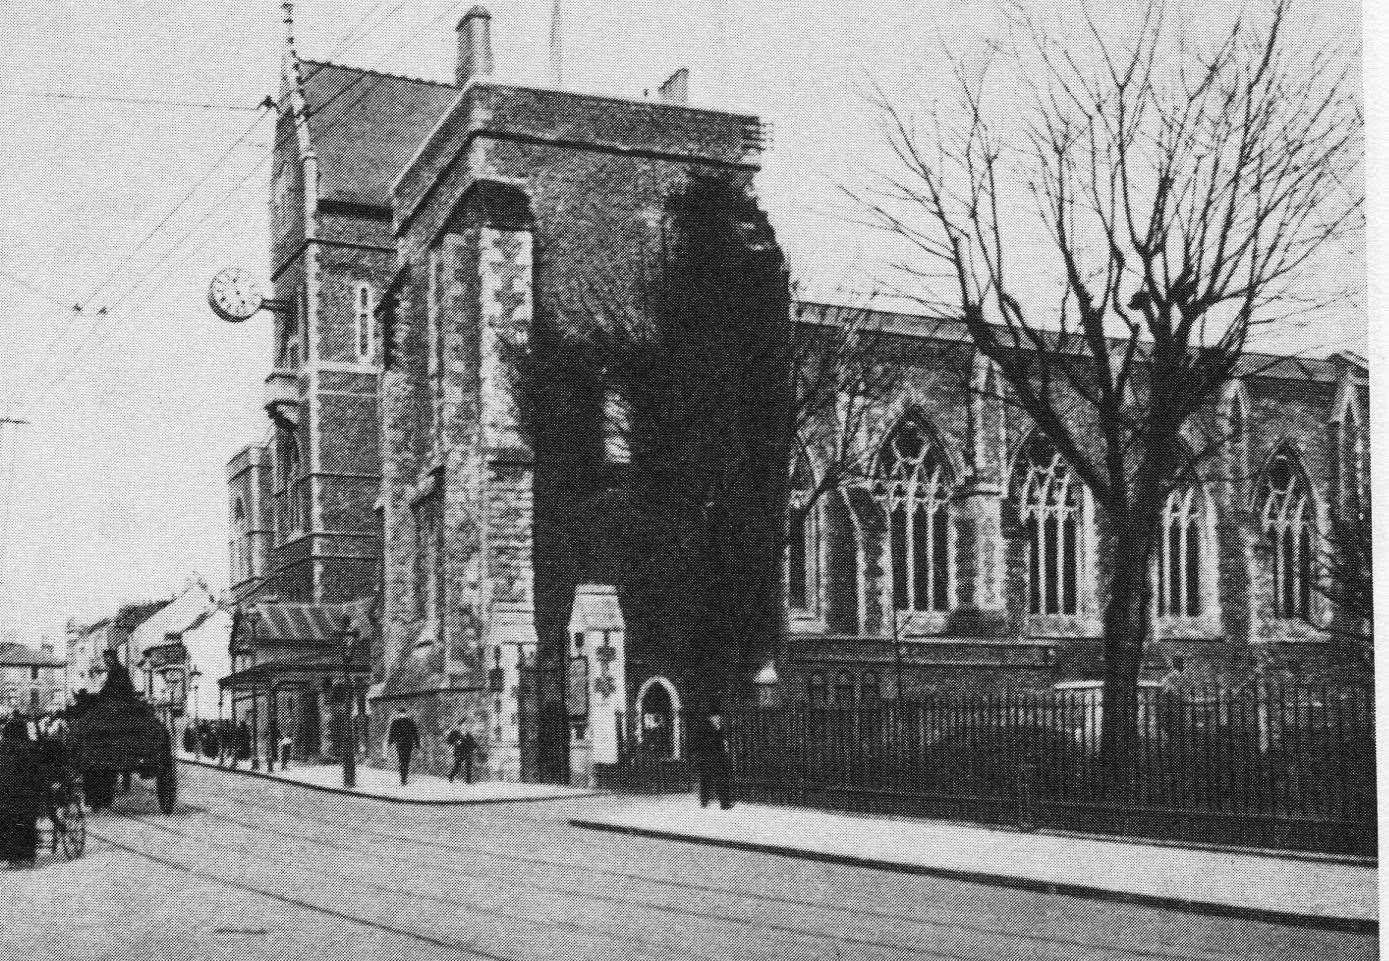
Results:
<point x="253" y="869"/>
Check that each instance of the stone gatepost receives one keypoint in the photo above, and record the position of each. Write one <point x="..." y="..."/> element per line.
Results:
<point x="597" y="681"/>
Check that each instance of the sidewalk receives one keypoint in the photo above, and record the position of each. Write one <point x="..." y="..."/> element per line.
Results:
<point x="383" y="785"/>
<point x="1331" y="893"/>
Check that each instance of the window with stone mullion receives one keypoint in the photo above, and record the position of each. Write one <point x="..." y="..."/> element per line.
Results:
<point x="1048" y="503"/>
<point x="915" y="495"/>
<point x="1287" y="526"/>
<point x="1179" y="556"/>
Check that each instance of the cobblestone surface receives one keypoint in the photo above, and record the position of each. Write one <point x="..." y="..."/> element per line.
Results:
<point x="248" y="868"/>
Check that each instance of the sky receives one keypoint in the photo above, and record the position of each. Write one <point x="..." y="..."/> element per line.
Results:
<point x="115" y="489"/>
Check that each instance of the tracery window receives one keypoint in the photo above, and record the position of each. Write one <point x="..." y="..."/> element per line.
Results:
<point x="803" y="547"/>
<point x="1285" y="510"/>
<point x="1179" y="560"/>
<point x="1354" y="464"/>
<point x="914" y="488"/>
<point x="1047" y="496"/>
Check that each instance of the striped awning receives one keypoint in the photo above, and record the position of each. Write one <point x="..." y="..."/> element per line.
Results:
<point x="307" y="624"/>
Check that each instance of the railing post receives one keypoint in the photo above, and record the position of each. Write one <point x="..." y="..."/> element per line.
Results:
<point x="1027" y="818"/>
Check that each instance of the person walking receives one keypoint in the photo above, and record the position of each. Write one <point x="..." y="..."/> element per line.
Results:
<point x="286" y="749"/>
<point x="404" y="737"/>
<point x="714" y="758"/>
<point x="464" y="746"/>
<point x="21" y="794"/>
<point x="242" y="750"/>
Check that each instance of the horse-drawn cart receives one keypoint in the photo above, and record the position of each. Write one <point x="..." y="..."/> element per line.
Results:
<point x="117" y="738"/>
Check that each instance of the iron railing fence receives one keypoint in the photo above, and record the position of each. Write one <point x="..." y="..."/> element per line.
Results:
<point x="1280" y="767"/>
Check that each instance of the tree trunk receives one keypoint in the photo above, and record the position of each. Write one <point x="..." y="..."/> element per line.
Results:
<point x="1126" y="635"/>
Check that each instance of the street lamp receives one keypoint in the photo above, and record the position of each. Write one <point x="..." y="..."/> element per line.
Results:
<point x="350" y="638"/>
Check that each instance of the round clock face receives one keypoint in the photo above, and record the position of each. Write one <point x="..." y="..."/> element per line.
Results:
<point x="233" y="295"/>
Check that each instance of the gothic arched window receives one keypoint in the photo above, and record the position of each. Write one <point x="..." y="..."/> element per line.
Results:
<point x="1179" y="556"/>
<point x="1354" y="464"/>
<point x="803" y="548"/>
<point x="844" y="688"/>
<point x="1047" y="497"/>
<point x="914" y="487"/>
<point x="1285" y="511"/>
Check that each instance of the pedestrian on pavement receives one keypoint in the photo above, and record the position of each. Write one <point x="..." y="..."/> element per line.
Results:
<point x="21" y="794"/>
<point x="464" y="750"/>
<point x="286" y="747"/>
<point x="404" y="737"/>
<point x="714" y="758"/>
<point x="242" y="744"/>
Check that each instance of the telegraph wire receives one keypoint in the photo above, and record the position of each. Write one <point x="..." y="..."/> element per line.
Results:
<point x="139" y="101"/>
<point x="69" y="365"/>
<point x="261" y="114"/>
<point x="27" y="384"/>
<point x="36" y="291"/>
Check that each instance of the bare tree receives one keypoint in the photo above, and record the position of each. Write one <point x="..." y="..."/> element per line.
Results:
<point x="1175" y="195"/>
<point x="840" y="374"/>
<point x="1345" y="577"/>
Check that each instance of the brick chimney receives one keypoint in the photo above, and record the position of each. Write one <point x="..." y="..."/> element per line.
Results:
<point x="474" y="45"/>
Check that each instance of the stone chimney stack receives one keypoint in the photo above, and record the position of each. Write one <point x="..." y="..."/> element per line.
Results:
<point x="474" y="45"/>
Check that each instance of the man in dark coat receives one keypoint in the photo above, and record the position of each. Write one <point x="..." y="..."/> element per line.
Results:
<point x="404" y="737"/>
<point x="714" y="757"/>
<point x="464" y="750"/>
<point x="21" y="794"/>
<point x="118" y="682"/>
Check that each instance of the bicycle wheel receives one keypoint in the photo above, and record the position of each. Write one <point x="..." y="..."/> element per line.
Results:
<point x="70" y="830"/>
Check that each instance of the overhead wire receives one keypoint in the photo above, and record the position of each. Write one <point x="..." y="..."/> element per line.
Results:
<point x="31" y="288"/>
<point x="139" y="101"/>
<point x="25" y="386"/>
<point x="91" y="340"/>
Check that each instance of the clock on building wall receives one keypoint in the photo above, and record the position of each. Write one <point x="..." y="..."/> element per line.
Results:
<point x="234" y="295"/>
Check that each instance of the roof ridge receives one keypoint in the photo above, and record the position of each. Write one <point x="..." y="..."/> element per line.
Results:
<point x="942" y="320"/>
<point x="372" y="71"/>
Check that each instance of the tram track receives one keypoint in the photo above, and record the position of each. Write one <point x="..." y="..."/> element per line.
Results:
<point x="955" y="930"/>
<point x="605" y="932"/>
<point x="449" y="945"/>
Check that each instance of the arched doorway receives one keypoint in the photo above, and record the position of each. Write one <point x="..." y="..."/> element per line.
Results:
<point x="658" y="719"/>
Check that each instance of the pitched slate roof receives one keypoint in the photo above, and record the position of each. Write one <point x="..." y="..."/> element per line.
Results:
<point x="132" y="616"/>
<point x="18" y="655"/>
<point x="365" y="126"/>
<point x="1251" y="364"/>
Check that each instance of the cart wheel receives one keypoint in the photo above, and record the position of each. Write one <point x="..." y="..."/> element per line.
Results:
<point x="166" y="789"/>
<point x="70" y="830"/>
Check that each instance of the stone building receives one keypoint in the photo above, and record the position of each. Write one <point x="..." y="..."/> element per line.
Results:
<point x="32" y="681"/>
<point x="426" y="234"/>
